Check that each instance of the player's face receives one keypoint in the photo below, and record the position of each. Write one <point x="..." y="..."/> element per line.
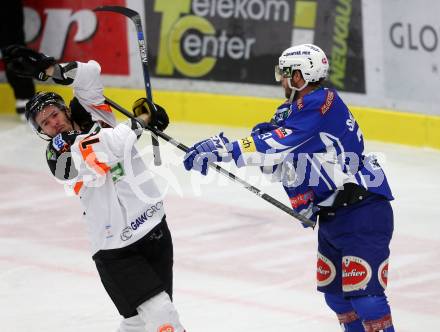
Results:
<point x="285" y="85"/>
<point x="53" y="121"/>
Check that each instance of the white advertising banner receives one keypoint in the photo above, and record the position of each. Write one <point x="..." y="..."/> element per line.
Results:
<point x="411" y="50"/>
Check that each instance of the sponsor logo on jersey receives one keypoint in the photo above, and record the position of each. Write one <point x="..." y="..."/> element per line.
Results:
<point x="58" y="143"/>
<point x="325" y="270"/>
<point x="282" y="114"/>
<point x="166" y="328"/>
<point x="117" y="172"/>
<point x="248" y="144"/>
<point x="148" y="213"/>
<point x="356" y="273"/>
<point x="382" y="274"/>
<point x="50" y="155"/>
<point x="126" y="234"/>
<point x="108" y="231"/>
<point x="302" y="199"/>
<point x="283" y="132"/>
<point x="328" y="102"/>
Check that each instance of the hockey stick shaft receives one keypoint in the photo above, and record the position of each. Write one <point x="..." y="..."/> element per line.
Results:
<point x="142" y="44"/>
<point x="220" y="170"/>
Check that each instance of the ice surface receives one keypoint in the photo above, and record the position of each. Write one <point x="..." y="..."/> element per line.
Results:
<point x="240" y="264"/>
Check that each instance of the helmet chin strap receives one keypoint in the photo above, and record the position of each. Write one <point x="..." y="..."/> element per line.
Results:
<point x="295" y="89"/>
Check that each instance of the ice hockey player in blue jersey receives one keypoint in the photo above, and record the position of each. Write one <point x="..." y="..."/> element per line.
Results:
<point x="314" y="147"/>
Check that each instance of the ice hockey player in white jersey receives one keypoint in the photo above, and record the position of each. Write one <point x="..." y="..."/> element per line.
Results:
<point x="95" y="157"/>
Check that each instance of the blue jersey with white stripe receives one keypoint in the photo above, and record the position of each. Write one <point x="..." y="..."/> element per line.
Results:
<point x="316" y="147"/>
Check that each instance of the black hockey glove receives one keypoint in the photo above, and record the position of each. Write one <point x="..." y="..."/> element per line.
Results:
<point x="61" y="72"/>
<point x="26" y="62"/>
<point x="159" y="118"/>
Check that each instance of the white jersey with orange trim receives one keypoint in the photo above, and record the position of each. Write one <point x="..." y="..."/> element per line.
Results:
<point x="119" y="196"/>
<point x="120" y="199"/>
<point x="88" y="88"/>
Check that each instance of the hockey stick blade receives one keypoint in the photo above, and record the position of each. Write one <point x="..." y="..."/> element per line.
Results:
<point x="136" y="19"/>
<point x="130" y="13"/>
<point x="220" y="170"/>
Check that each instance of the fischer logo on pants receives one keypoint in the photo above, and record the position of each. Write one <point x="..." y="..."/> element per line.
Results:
<point x="356" y="273"/>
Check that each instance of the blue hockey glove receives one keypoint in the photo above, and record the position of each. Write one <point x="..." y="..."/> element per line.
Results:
<point x="262" y="128"/>
<point x="204" y="152"/>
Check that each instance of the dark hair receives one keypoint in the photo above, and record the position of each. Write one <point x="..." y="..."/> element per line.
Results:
<point x="37" y="103"/>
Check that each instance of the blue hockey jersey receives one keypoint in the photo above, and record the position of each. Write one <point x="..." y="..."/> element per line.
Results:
<point x="315" y="147"/>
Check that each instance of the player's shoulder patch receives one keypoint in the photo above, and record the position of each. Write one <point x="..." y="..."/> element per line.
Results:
<point x="282" y="113"/>
<point x="328" y="101"/>
<point x="320" y="100"/>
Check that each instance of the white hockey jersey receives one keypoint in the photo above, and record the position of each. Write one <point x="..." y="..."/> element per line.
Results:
<point x="120" y="198"/>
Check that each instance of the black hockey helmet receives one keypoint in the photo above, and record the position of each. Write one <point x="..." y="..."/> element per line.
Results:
<point x="36" y="104"/>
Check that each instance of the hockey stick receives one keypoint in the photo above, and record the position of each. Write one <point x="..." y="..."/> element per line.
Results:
<point x="221" y="170"/>
<point x="142" y="43"/>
